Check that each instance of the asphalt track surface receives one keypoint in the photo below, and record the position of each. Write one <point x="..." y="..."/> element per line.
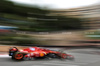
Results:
<point x="83" y="57"/>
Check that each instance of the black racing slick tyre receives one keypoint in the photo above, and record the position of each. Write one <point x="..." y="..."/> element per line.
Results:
<point x="51" y="56"/>
<point x="70" y="58"/>
<point x="18" y="56"/>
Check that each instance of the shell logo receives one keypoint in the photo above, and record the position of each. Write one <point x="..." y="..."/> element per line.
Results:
<point x="41" y="54"/>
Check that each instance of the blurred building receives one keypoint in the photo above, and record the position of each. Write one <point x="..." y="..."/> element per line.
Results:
<point x="90" y="15"/>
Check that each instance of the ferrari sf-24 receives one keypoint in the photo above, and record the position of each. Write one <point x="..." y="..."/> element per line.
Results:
<point x="37" y="52"/>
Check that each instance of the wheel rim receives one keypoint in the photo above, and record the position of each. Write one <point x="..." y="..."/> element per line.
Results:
<point x="18" y="56"/>
<point x="64" y="56"/>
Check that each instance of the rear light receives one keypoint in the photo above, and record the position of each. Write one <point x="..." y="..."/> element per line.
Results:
<point x="13" y="49"/>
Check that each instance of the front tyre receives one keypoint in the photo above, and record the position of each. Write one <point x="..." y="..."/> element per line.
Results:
<point x="63" y="56"/>
<point x="70" y="57"/>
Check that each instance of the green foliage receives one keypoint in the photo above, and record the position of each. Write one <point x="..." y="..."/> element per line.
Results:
<point x="23" y="41"/>
<point x="42" y="22"/>
<point x="9" y="7"/>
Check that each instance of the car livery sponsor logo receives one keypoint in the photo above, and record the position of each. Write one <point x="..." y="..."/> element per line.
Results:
<point x="45" y="53"/>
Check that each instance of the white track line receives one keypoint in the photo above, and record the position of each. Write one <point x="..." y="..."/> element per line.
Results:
<point x="4" y="55"/>
<point x="59" y="64"/>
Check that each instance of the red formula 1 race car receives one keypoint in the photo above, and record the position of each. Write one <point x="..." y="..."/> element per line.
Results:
<point x="36" y="52"/>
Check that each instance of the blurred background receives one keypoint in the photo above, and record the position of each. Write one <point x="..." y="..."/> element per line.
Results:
<point x="50" y="23"/>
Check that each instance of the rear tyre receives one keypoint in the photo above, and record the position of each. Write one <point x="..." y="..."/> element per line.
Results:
<point x="18" y="56"/>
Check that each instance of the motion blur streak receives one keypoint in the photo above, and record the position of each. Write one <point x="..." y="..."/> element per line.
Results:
<point x="76" y="30"/>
